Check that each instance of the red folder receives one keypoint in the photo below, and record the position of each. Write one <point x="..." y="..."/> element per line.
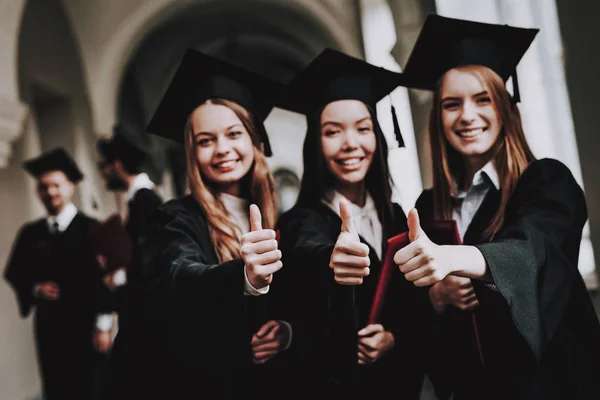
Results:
<point x="441" y="232"/>
<point x="112" y="241"/>
<point x="389" y="267"/>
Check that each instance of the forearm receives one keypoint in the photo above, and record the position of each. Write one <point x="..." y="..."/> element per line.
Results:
<point x="466" y="261"/>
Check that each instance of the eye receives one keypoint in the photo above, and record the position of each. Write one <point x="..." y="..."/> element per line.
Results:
<point x="234" y="134"/>
<point x="365" y="129"/>
<point x="203" y="142"/>
<point x="451" y="105"/>
<point x="484" y="100"/>
<point x="331" y="132"/>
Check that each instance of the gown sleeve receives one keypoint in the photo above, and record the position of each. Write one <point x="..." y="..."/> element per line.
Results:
<point x="533" y="258"/>
<point x="19" y="275"/>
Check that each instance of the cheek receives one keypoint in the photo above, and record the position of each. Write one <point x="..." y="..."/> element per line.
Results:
<point x="204" y="158"/>
<point x="369" y="143"/>
<point x="448" y="120"/>
<point x="330" y="147"/>
<point x="247" y="149"/>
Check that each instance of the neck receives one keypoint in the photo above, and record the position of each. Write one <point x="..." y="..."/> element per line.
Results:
<point x="53" y="212"/>
<point x="354" y="192"/>
<point x="128" y="179"/>
<point x="471" y="166"/>
<point x="232" y="189"/>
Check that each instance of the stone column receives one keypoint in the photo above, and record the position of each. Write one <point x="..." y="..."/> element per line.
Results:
<point x="379" y="38"/>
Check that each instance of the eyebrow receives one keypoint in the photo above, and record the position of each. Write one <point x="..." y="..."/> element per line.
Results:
<point x="212" y="134"/>
<point x="458" y="98"/>
<point x="341" y="124"/>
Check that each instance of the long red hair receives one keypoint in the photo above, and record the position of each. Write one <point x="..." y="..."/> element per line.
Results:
<point x="511" y="153"/>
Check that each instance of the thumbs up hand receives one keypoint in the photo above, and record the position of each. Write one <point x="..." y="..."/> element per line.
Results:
<point x="350" y="258"/>
<point x="421" y="261"/>
<point x="259" y="251"/>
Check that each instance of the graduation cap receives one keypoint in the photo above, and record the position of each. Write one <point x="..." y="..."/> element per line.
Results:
<point x="334" y="76"/>
<point x="54" y="160"/>
<point x="446" y="43"/>
<point x="124" y="146"/>
<point x="201" y="77"/>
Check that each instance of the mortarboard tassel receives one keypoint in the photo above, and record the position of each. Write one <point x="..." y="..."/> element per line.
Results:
<point x="267" y="146"/>
<point x="515" y="83"/>
<point x="397" y="128"/>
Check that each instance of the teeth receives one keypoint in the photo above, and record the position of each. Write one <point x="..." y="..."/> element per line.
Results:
<point x="225" y="164"/>
<point x="471" y="133"/>
<point x="350" y="161"/>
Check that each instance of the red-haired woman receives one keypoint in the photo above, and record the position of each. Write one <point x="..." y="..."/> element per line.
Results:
<point x="536" y="335"/>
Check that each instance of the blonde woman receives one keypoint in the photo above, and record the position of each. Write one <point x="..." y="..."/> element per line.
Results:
<point x="214" y="251"/>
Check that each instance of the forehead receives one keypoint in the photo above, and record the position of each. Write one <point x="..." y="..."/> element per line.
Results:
<point x="53" y="177"/>
<point x="213" y="118"/>
<point x="459" y="83"/>
<point x="345" y="111"/>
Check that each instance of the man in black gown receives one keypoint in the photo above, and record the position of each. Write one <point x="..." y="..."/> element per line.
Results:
<point x="53" y="269"/>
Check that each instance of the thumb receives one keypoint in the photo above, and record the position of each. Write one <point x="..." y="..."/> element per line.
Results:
<point x="414" y="225"/>
<point x="255" y="218"/>
<point x="266" y="328"/>
<point x="346" y="216"/>
<point x="370" y="329"/>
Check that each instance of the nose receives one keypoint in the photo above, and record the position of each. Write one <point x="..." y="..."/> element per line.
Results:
<point x="223" y="146"/>
<point x="52" y="191"/>
<point x="468" y="113"/>
<point x="351" y="139"/>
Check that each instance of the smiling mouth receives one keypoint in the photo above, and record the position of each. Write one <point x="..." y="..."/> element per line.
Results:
<point x="470" y="133"/>
<point x="349" y="162"/>
<point x="225" y="164"/>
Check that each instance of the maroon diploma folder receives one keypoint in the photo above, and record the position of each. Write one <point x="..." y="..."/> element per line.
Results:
<point x="441" y="232"/>
<point x="112" y="241"/>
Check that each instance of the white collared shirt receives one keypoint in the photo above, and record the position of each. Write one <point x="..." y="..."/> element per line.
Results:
<point x="467" y="203"/>
<point x="64" y="218"/>
<point x="365" y="219"/>
<point x="239" y="210"/>
<point x="141" y="181"/>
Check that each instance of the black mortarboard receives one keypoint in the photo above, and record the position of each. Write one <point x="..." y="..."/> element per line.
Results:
<point x="201" y="77"/>
<point x="446" y="43"/>
<point x="54" y="160"/>
<point x="334" y="76"/>
<point x="125" y="145"/>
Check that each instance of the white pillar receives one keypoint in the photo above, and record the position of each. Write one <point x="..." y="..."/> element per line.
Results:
<point x="379" y="37"/>
<point x="545" y="107"/>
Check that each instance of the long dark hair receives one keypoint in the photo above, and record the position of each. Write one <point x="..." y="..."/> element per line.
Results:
<point x="317" y="180"/>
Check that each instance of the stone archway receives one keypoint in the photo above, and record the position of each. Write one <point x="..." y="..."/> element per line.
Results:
<point x="273" y="38"/>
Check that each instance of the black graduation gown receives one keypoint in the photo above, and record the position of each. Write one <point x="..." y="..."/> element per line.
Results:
<point x="70" y="367"/>
<point x="140" y="226"/>
<point x="194" y="313"/>
<point x="539" y="333"/>
<point x="326" y="317"/>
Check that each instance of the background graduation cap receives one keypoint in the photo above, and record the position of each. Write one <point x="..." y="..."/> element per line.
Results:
<point x="446" y="43"/>
<point x="124" y="146"/>
<point x="54" y="160"/>
<point x="334" y="76"/>
<point x="201" y="77"/>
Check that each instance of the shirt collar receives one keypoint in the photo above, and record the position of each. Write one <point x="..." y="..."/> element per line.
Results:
<point x="332" y="200"/>
<point x="141" y="181"/>
<point x="486" y="175"/>
<point x="64" y="218"/>
<point x="237" y="207"/>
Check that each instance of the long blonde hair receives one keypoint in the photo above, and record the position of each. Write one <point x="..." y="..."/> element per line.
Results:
<point x="259" y="184"/>
<point x="511" y="153"/>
